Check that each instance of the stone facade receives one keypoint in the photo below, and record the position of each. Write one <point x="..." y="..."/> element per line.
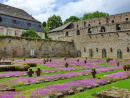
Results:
<point x="9" y="31"/>
<point x="99" y="37"/>
<point x="27" y="47"/>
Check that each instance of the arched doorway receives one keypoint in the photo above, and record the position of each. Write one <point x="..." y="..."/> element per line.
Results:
<point x="90" y="53"/>
<point x="104" y="53"/>
<point x="119" y="54"/>
<point x="78" y="53"/>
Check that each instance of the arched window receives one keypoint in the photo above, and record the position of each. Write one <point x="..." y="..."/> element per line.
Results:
<point x="97" y="49"/>
<point x="84" y="24"/>
<point x="127" y="19"/>
<point x="99" y="23"/>
<point x="112" y="21"/>
<point x="102" y="29"/>
<point x="84" y="49"/>
<point x="67" y="33"/>
<point x="104" y="53"/>
<point x="0" y="19"/>
<point x="89" y="30"/>
<point x="90" y="53"/>
<point x="128" y="49"/>
<point x="78" y="53"/>
<point x="111" y="49"/>
<point x="32" y="52"/>
<point x="118" y="27"/>
<point x="78" y="32"/>
<point x="119" y="54"/>
<point x="88" y="24"/>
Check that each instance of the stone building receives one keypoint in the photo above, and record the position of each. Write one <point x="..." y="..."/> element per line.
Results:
<point x="14" y="22"/>
<point x="99" y="37"/>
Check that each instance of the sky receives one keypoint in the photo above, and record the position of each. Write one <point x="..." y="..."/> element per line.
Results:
<point x="43" y="9"/>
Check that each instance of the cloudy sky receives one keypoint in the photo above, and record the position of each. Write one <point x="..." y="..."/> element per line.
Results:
<point x="43" y="9"/>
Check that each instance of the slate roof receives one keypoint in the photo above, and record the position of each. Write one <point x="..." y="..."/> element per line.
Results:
<point x="61" y="27"/>
<point x="16" y="12"/>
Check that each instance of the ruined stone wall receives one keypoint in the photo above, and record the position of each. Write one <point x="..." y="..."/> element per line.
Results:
<point x="104" y="45"/>
<point x="113" y="23"/>
<point x="112" y="19"/>
<point x="22" y="47"/>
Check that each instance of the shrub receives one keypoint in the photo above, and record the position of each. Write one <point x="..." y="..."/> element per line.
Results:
<point x="32" y="64"/>
<point x="2" y="35"/>
<point x="31" y="33"/>
<point x="21" y="67"/>
<point x="14" y="68"/>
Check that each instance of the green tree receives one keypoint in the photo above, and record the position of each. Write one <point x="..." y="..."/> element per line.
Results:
<point x="44" y="24"/>
<point x="53" y="22"/>
<point x="30" y="33"/>
<point x="47" y="37"/>
<point x="94" y="15"/>
<point x="71" y="19"/>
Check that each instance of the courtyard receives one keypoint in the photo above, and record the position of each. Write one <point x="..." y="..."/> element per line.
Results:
<point x="64" y="77"/>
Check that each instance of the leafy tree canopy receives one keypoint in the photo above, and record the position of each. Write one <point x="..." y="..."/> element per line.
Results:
<point x="71" y="19"/>
<point x="94" y="15"/>
<point x="44" y="24"/>
<point x="53" y="22"/>
<point x="31" y="33"/>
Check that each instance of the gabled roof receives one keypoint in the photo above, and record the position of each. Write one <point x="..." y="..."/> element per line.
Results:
<point x="15" y="12"/>
<point x="61" y="27"/>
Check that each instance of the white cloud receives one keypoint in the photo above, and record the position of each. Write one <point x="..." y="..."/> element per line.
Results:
<point x="43" y="9"/>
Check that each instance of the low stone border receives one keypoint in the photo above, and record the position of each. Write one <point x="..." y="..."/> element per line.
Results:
<point x="114" y="92"/>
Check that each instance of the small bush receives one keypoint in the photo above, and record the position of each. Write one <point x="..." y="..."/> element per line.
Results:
<point x="32" y="64"/>
<point x="2" y="35"/>
<point x="21" y="67"/>
<point x="14" y="68"/>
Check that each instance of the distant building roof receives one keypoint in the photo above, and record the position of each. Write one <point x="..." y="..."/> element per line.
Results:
<point x="61" y="27"/>
<point x="15" y="12"/>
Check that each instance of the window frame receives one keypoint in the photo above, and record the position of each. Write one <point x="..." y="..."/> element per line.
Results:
<point x="2" y="30"/>
<point x="8" y="32"/>
<point x="16" y="31"/>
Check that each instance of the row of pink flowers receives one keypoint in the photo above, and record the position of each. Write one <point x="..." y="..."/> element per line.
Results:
<point x="62" y="88"/>
<point x="32" y="80"/>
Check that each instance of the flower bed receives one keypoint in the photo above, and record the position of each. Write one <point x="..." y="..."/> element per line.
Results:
<point x="62" y="89"/>
<point x="12" y="74"/>
<point x="54" y="89"/>
<point x="21" y="73"/>
<point x="47" y="78"/>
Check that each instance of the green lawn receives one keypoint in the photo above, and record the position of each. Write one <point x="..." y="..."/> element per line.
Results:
<point x="88" y="94"/>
